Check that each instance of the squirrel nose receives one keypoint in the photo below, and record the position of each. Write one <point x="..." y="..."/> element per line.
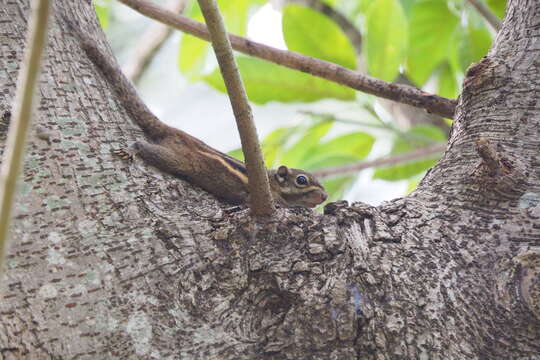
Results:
<point x="324" y="196"/>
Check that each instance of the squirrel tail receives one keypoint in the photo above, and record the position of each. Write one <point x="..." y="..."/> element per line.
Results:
<point x="152" y="127"/>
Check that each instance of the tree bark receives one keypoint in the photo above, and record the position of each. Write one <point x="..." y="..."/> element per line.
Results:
<point x="116" y="260"/>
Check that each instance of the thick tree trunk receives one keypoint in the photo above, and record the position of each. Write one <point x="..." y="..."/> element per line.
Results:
<point x="115" y="260"/>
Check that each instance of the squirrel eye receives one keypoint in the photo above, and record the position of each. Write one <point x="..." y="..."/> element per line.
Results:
<point x="301" y="180"/>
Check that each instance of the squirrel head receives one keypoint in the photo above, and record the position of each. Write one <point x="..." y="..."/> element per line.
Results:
<point x="294" y="187"/>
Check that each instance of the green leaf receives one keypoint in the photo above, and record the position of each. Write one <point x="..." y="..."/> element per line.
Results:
<point x="407" y="6"/>
<point x="404" y="171"/>
<point x="469" y="45"/>
<point x="340" y="150"/>
<point x="193" y="51"/>
<point x="102" y="11"/>
<point x="266" y="82"/>
<point x="356" y="144"/>
<point x="386" y="38"/>
<point x="274" y="144"/>
<point x="473" y="46"/>
<point x="337" y="186"/>
<point x="430" y="133"/>
<point x="360" y="6"/>
<point x="237" y="154"/>
<point x="301" y="150"/>
<point x="448" y="86"/>
<point x="413" y="183"/>
<point x="235" y="14"/>
<point x="329" y="2"/>
<point x="310" y="154"/>
<point x="498" y="6"/>
<point x="313" y="34"/>
<point x="431" y="29"/>
<point x="192" y="55"/>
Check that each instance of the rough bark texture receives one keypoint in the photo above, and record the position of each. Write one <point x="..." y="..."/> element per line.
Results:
<point x="114" y="260"/>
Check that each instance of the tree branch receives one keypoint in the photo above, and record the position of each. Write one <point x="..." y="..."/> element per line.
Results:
<point x="22" y="112"/>
<point x="260" y="197"/>
<point x="387" y="160"/>
<point x="150" y="43"/>
<point x="324" y="69"/>
<point x="490" y="17"/>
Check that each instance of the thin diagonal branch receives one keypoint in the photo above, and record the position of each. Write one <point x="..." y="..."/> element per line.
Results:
<point x="150" y="43"/>
<point x="22" y="113"/>
<point x="324" y="69"/>
<point x="490" y="17"/>
<point x="384" y="161"/>
<point x="260" y="197"/>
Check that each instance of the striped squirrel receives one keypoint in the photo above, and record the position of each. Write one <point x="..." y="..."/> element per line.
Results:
<point x="184" y="156"/>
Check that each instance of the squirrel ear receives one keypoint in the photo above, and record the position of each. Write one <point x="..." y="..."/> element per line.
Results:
<point x="283" y="171"/>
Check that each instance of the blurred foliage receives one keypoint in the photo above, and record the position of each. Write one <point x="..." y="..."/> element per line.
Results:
<point x="430" y="43"/>
<point x="310" y="33"/>
<point x="103" y="12"/>
<point x="266" y="82"/>
<point x="430" y="134"/>
<point x="432" y="26"/>
<point x="498" y="6"/>
<point x="386" y="38"/>
<point x="194" y="52"/>
<point x="308" y="148"/>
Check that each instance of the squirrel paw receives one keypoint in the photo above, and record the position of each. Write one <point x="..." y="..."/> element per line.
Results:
<point x="124" y="154"/>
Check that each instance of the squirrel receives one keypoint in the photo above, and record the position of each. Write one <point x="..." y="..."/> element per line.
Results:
<point x="184" y="156"/>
